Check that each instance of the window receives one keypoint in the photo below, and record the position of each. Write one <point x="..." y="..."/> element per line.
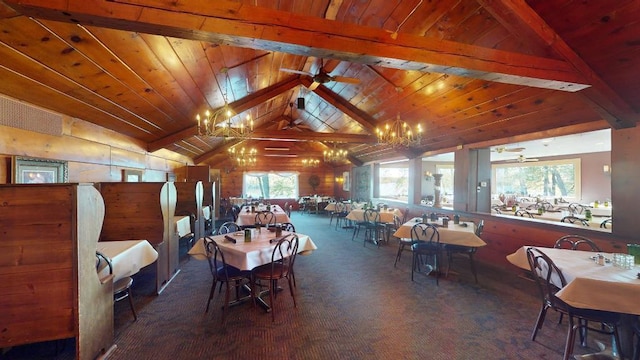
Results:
<point x="283" y="185"/>
<point x="393" y="179"/>
<point x="558" y="178"/>
<point x="446" y="184"/>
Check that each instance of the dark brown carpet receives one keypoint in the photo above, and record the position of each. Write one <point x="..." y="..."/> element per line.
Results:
<point x="352" y="304"/>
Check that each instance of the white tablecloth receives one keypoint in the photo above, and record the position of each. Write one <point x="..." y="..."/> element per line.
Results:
<point x="452" y="234"/>
<point x="589" y="285"/>
<point x="386" y="216"/>
<point x="246" y="217"/>
<point x="183" y="225"/>
<point x="127" y="256"/>
<point x="248" y="255"/>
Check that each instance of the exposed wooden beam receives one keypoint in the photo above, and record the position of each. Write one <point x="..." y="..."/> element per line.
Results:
<point x="239" y="106"/>
<point x="341" y="104"/>
<point x="243" y="25"/>
<point x="289" y="135"/>
<point x="518" y="17"/>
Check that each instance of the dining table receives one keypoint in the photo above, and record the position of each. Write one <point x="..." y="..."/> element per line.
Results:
<point x="590" y="285"/>
<point x="386" y="215"/>
<point x="249" y="255"/>
<point x="462" y="234"/>
<point x="127" y="256"/>
<point x="248" y="218"/>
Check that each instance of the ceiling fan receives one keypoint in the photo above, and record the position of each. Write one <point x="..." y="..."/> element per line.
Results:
<point x="323" y="77"/>
<point x="522" y="159"/>
<point x="290" y="123"/>
<point x="501" y="149"/>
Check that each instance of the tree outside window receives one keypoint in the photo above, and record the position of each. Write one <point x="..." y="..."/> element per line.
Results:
<point x="271" y="185"/>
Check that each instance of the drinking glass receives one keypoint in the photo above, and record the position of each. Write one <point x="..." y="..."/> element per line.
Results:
<point x="634" y="249"/>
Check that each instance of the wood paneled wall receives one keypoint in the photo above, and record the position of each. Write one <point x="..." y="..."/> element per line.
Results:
<point x="94" y="154"/>
<point x="50" y="288"/>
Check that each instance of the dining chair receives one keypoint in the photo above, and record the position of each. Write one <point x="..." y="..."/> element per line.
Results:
<point x="287" y="208"/>
<point x="451" y="250"/>
<point x="524" y="213"/>
<point x="426" y="244"/>
<point x="340" y="214"/>
<point x="606" y="223"/>
<point x="228" y="227"/>
<point x="235" y="211"/>
<point x="575" y="208"/>
<point x="550" y="280"/>
<point x="122" y="287"/>
<point x="575" y="242"/>
<point x="374" y="230"/>
<point x="224" y="274"/>
<point x="266" y="218"/>
<point x="405" y="215"/>
<point x="575" y="220"/>
<point x="281" y="267"/>
<point x="287" y="226"/>
<point x="403" y="244"/>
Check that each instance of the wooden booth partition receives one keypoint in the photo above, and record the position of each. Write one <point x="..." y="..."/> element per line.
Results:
<point x="50" y="286"/>
<point x="209" y="200"/>
<point x="189" y="203"/>
<point x="143" y="210"/>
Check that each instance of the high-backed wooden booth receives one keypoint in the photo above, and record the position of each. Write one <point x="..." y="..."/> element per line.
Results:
<point x="49" y="285"/>
<point x="209" y="200"/>
<point x="189" y="203"/>
<point x="143" y="211"/>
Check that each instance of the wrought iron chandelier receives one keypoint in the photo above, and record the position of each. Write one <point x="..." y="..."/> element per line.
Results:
<point x="335" y="155"/>
<point x="399" y="133"/>
<point x="310" y="162"/>
<point x="243" y="157"/>
<point x="221" y="122"/>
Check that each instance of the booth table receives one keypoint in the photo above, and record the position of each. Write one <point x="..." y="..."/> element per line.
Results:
<point x="127" y="256"/>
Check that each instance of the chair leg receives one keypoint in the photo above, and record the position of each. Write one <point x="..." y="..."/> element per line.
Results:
<point x="213" y="289"/>
<point x="400" y="250"/>
<point x="272" y="289"/>
<point x="133" y="308"/>
<point x="472" y="264"/>
<point x="539" y="322"/>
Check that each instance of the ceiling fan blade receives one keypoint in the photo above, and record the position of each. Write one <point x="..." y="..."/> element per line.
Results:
<point x="517" y="149"/>
<point x="344" y="79"/>
<point x="295" y="71"/>
<point x="314" y="85"/>
<point x="282" y="124"/>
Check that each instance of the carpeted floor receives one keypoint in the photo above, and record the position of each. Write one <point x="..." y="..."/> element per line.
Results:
<point x="352" y="304"/>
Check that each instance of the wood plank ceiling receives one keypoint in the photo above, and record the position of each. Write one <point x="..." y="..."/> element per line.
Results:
<point x="471" y="72"/>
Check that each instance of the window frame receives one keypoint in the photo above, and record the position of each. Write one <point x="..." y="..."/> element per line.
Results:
<point x="393" y="165"/>
<point x="577" y="169"/>
<point x="296" y="191"/>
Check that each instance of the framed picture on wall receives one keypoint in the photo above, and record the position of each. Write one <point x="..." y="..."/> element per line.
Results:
<point x="346" y="182"/>
<point x="38" y="171"/>
<point x="131" y="175"/>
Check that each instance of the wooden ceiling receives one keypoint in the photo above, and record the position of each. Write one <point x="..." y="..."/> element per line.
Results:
<point x="471" y="72"/>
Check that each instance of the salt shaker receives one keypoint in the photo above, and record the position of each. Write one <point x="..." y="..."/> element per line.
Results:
<point x="600" y="259"/>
